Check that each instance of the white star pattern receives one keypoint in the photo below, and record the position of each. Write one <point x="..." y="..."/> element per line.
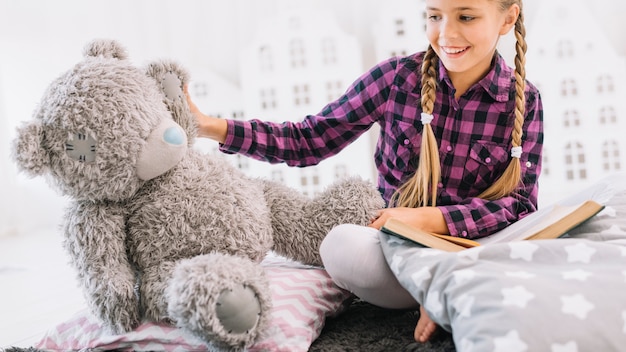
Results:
<point x="433" y="303"/>
<point x="608" y="211"/>
<point x="471" y="253"/>
<point x="429" y="252"/>
<point x="396" y="261"/>
<point x="464" y="305"/>
<point x="579" y="252"/>
<point x="523" y="250"/>
<point x="464" y="275"/>
<point x="579" y="274"/>
<point x="516" y="296"/>
<point x="510" y="342"/>
<point x="614" y="230"/>
<point x="576" y="305"/>
<point x="520" y="274"/>
<point x="567" y="347"/>
<point x="394" y="239"/>
<point x="466" y="344"/>
<point x="420" y="276"/>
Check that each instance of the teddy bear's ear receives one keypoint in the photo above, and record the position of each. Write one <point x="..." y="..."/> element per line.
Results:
<point x="106" y="48"/>
<point x="170" y="78"/>
<point x="27" y="150"/>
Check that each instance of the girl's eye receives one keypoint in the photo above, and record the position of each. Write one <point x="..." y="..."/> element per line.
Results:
<point x="466" y="18"/>
<point x="434" y="18"/>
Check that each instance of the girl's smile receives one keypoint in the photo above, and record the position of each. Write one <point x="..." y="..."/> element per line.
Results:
<point x="464" y="35"/>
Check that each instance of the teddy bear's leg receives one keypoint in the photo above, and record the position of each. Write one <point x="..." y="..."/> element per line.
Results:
<point x="222" y="299"/>
<point x="170" y="77"/>
<point x="300" y="224"/>
<point x="154" y="282"/>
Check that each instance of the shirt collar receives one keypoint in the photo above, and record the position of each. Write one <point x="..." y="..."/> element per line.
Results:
<point x="497" y="82"/>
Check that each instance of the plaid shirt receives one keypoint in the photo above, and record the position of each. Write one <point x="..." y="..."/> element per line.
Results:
<point x="473" y="132"/>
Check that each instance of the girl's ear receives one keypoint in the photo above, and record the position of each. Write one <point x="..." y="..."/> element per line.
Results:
<point x="510" y="19"/>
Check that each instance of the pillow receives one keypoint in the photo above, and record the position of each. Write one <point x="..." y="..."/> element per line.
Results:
<point x="543" y="295"/>
<point x="303" y="297"/>
<point x="612" y="220"/>
<point x="562" y="294"/>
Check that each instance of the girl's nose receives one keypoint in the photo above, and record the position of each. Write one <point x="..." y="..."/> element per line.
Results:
<point x="448" y="29"/>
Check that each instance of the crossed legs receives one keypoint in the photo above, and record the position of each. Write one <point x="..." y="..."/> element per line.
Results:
<point x="353" y="257"/>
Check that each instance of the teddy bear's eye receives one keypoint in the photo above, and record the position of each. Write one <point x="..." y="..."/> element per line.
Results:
<point x="81" y="147"/>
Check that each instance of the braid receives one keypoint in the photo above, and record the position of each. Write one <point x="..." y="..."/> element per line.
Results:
<point x="511" y="177"/>
<point x="415" y="192"/>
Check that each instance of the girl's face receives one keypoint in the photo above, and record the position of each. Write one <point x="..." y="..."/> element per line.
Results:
<point x="464" y="34"/>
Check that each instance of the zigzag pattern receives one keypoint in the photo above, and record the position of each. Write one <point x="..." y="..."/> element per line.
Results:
<point x="303" y="297"/>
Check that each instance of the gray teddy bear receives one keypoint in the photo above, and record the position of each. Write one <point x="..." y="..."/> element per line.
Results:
<point x="157" y="230"/>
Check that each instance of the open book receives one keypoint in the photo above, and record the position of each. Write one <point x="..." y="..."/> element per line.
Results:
<point x="551" y="222"/>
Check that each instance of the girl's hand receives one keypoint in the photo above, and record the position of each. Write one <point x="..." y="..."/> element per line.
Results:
<point x="429" y="219"/>
<point x="208" y="126"/>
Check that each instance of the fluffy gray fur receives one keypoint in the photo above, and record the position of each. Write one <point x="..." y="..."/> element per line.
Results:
<point x="174" y="247"/>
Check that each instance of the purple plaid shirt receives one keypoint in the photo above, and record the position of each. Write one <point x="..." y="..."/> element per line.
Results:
<point x="473" y="132"/>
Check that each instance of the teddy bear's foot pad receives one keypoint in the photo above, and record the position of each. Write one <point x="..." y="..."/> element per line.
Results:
<point x="238" y="309"/>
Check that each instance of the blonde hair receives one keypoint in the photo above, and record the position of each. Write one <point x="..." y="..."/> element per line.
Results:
<point x="421" y="189"/>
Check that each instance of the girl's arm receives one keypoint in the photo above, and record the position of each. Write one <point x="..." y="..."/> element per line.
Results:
<point x="317" y="137"/>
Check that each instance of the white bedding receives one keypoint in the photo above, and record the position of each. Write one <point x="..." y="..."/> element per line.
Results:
<point x="561" y="295"/>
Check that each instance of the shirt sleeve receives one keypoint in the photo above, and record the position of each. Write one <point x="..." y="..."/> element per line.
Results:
<point x="476" y="217"/>
<point x="320" y="136"/>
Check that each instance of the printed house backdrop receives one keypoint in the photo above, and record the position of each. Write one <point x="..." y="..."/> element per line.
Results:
<point x="283" y="59"/>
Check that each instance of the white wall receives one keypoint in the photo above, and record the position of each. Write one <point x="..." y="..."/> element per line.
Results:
<point x="39" y="39"/>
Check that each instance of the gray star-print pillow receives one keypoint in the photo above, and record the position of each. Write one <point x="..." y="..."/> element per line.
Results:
<point x="561" y="295"/>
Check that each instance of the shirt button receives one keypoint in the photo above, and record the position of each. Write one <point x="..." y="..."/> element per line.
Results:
<point x="449" y="148"/>
<point x="440" y="185"/>
<point x="464" y="233"/>
<point x="529" y="164"/>
<point x="406" y="141"/>
<point x="488" y="160"/>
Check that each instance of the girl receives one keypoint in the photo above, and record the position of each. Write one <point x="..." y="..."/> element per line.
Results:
<point x="459" y="150"/>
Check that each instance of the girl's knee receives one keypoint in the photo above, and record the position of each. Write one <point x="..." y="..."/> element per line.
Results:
<point x="353" y="257"/>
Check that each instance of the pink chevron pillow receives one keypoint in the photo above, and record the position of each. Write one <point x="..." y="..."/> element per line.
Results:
<point x="303" y="297"/>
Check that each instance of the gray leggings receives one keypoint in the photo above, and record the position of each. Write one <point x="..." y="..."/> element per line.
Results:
<point x="354" y="259"/>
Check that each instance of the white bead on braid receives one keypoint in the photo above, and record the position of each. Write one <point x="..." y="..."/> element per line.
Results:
<point x="516" y="152"/>
<point x="426" y="118"/>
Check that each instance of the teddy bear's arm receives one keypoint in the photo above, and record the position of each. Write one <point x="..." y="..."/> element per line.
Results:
<point x="95" y="239"/>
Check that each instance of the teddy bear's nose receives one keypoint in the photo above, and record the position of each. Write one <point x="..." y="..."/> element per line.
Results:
<point x="174" y="136"/>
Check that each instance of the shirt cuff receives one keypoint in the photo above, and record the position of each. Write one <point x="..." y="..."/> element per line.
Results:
<point x="236" y="136"/>
<point x="459" y="221"/>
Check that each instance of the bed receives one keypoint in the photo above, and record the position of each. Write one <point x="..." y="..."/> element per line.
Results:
<point x="549" y="295"/>
<point x="564" y="294"/>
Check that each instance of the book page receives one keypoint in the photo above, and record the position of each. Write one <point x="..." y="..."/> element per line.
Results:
<point x="541" y="220"/>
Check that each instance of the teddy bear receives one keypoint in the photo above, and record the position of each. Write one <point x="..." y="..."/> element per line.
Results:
<point x="156" y="230"/>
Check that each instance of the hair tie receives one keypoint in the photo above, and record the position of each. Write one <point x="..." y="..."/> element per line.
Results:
<point x="426" y="118"/>
<point x="516" y="152"/>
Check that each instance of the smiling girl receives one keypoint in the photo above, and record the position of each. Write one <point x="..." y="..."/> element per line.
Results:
<point x="459" y="150"/>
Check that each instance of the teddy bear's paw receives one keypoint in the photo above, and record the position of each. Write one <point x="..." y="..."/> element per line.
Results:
<point x="348" y="201"/>
<point x="118" y="314"/>
<point x="221" y="299"/>
<point x="238" y="309"/>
